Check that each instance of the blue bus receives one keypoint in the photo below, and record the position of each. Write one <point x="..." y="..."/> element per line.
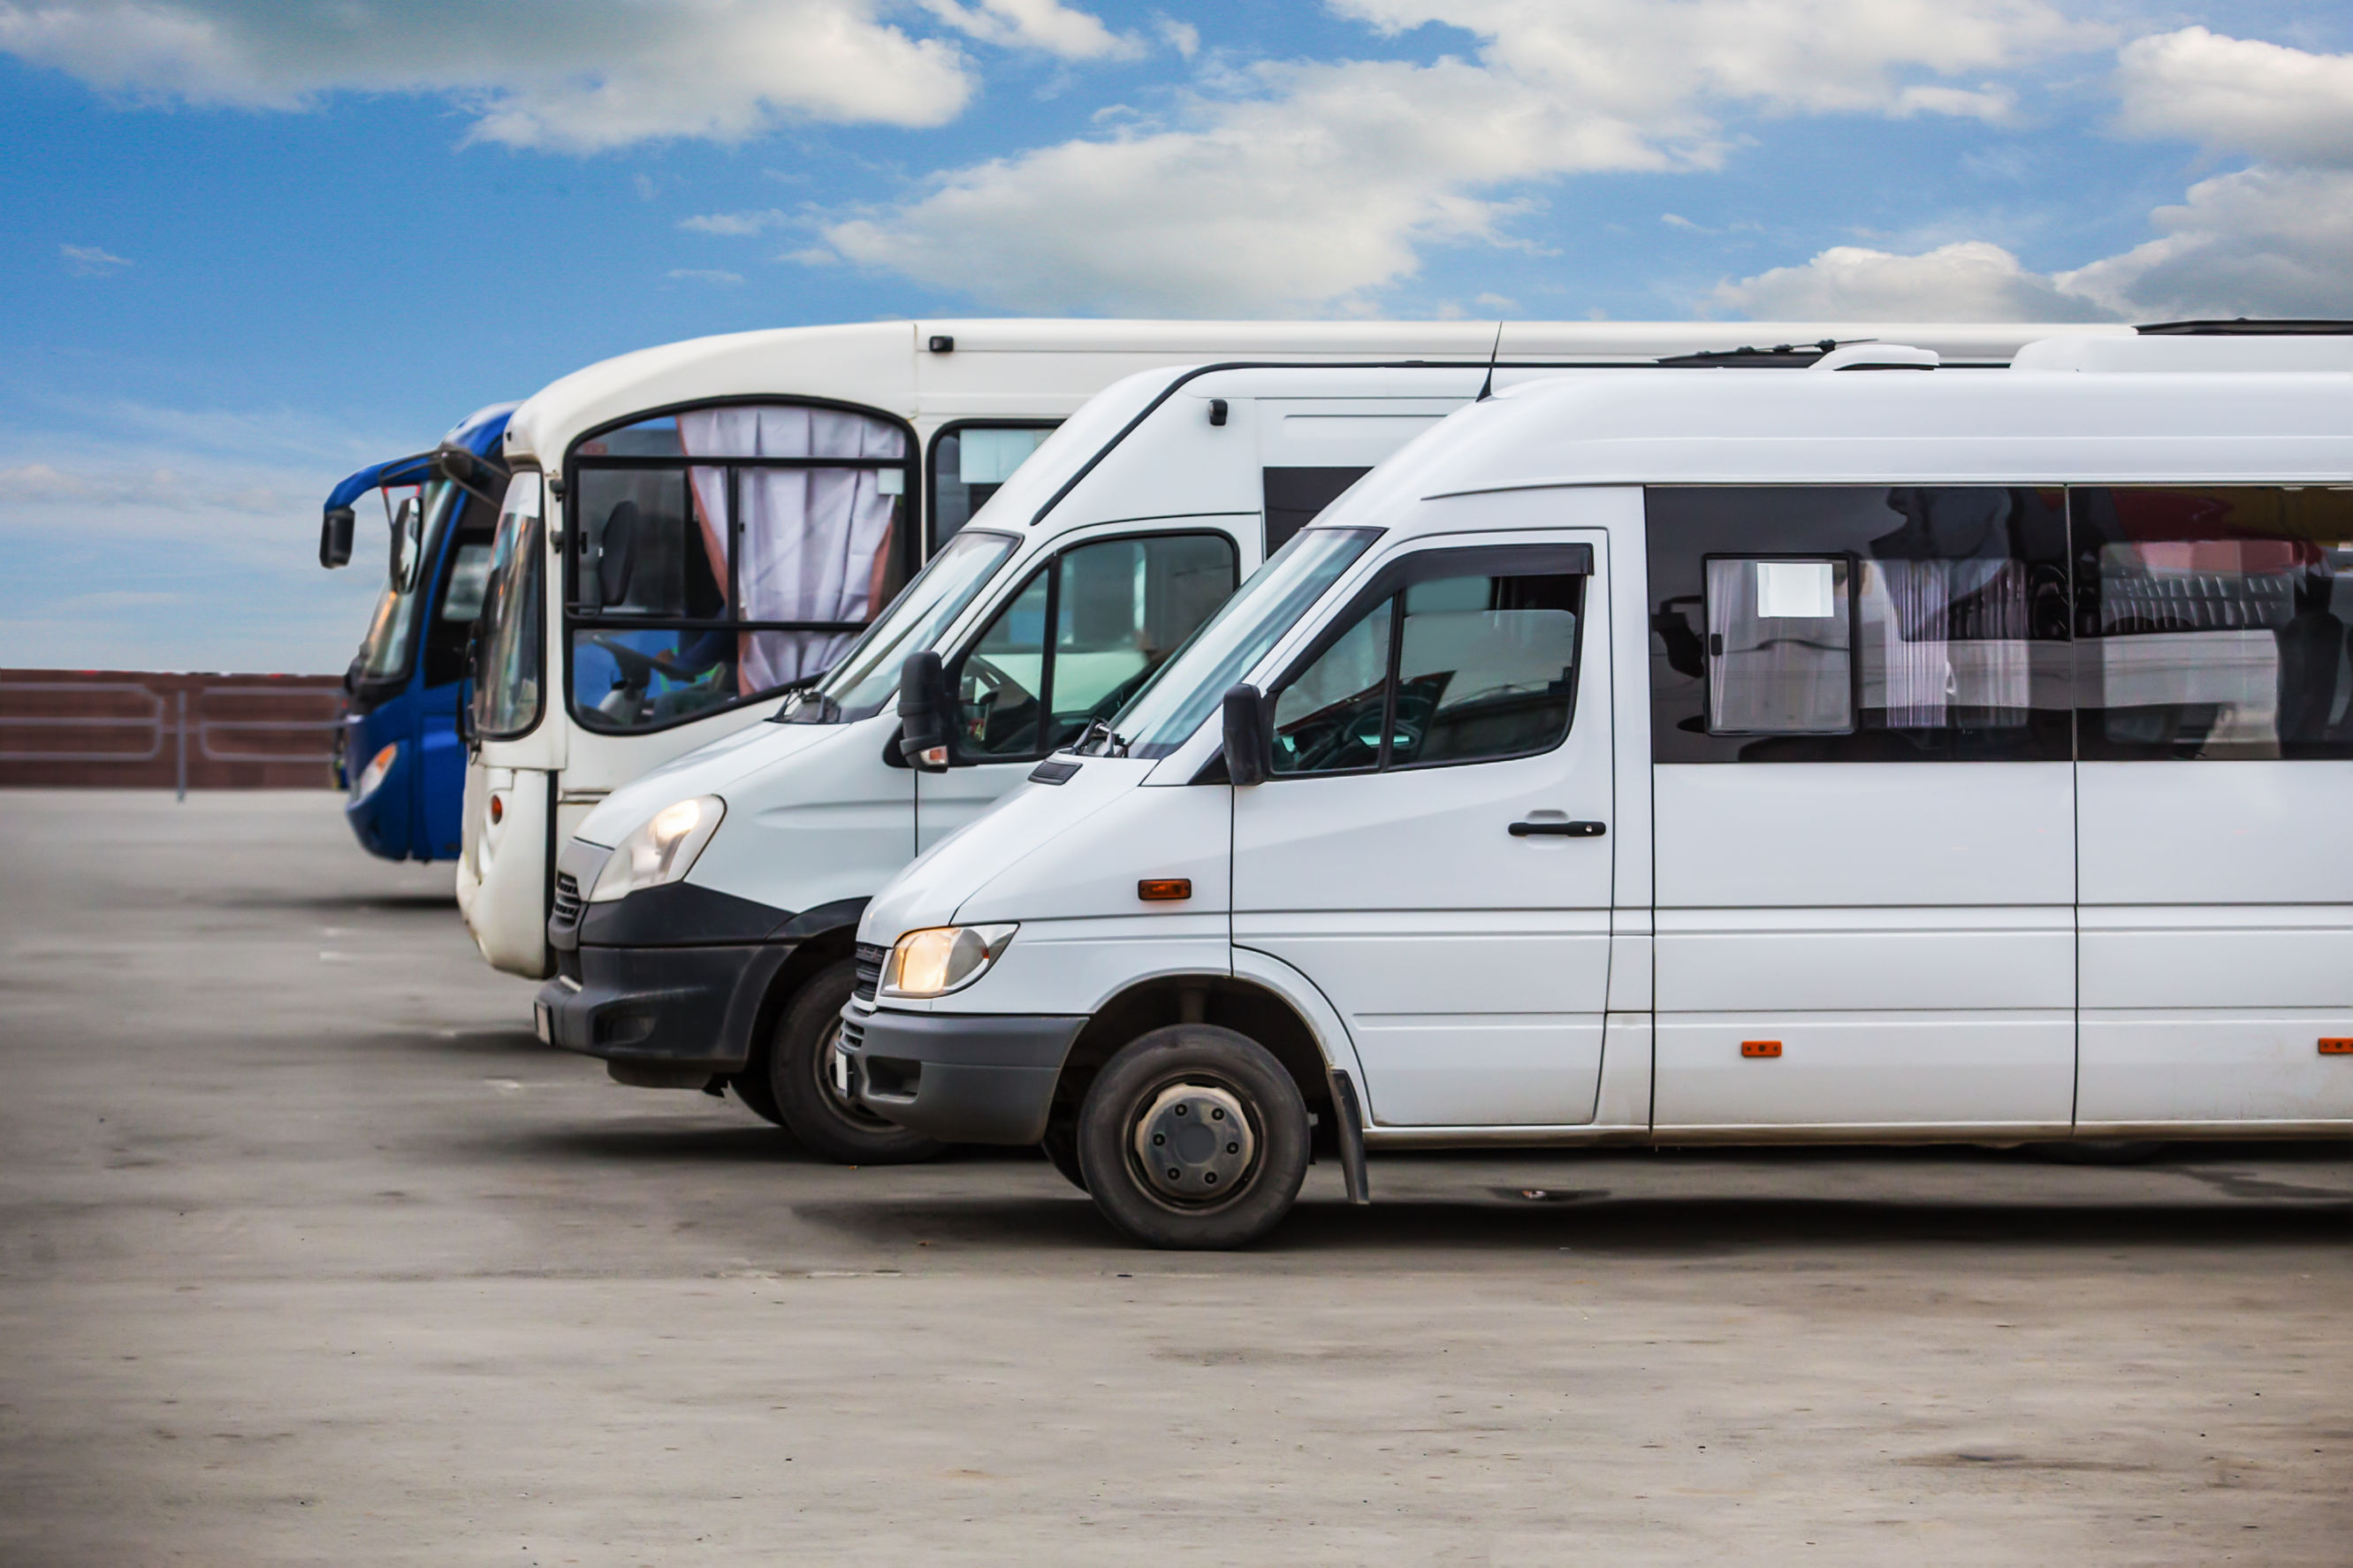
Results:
<point x="400" y="758"/>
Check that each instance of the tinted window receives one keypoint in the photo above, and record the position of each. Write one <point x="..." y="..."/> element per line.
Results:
<point x="1083" y="636"/>
<point x="1295" y="496"/>
<point x="2211" y="622"/>
<point x="1451" y="670"/>
<point x="969" y="464"/>
<point x="1819" y="623"/>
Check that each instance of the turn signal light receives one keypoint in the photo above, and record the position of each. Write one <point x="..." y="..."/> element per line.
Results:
<point x="1164" y="890"/>
<point x="2337" y="1047"/>
<point x="1760" y="1047"/>
<point x="498" y="810"/>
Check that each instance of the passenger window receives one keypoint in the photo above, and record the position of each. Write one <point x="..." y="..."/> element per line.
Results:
<point x="1780" y="655"/>
<point x="1859" y="622"/>
<point x="1454" y="669"/>
<point x="969" y="464"/>
<point x="2211" y="622"/>
<point x="1115" y="609"/>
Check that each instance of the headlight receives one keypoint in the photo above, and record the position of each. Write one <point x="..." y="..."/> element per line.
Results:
<point x="935" y="961"/>
<point x="662" y="850"/>
<point x="372" y="776"/>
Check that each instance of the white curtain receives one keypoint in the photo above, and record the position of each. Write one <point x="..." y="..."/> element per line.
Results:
<point x="814" y="541"/>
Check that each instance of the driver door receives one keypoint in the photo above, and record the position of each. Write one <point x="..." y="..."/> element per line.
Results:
<point x="1432" y="848"/>
<point x="1071" y="646"/>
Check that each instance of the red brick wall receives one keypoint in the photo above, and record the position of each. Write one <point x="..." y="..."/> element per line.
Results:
<point x="142" y="729"/>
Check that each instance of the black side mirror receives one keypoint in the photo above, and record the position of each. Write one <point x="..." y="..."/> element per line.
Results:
<point x="1250" y="735"/>
<point x="335" y="537"/>
<point x="926" y="709"/>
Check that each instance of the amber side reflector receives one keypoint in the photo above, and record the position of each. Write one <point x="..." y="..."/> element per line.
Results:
<point x="1760" y="1047"/>
<point x="1163" y="889"/>
<point x="497" y="809"/>
<point x="2337" y="1047"/>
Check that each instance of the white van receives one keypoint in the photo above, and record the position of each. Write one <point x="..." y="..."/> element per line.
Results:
<point x="691" y="529"/>
<point x="705" y="914"/>
<point x="1671" y="759"/>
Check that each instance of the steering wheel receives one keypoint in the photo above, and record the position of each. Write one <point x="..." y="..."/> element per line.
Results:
<point x="990" y="675"/>
<point x="637" y="666"/>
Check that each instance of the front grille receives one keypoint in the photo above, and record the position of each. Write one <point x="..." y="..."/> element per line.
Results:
<point x="870" y="960"/>
<point x="568" y="900"/>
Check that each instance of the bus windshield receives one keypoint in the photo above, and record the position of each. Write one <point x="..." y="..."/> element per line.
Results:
<point x="391" y="640"/>
<point x="857" y="688"/>
<point x="508" y="680"/>
<point x="1188" y="687"/>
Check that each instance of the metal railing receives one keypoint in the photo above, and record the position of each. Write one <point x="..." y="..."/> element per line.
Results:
<point x="147" y="733"/>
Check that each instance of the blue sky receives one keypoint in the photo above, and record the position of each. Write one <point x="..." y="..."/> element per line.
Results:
<point x="255" y="243"/>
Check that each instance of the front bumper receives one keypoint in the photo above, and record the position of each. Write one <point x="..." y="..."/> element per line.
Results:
<point x="660" y="1016"/>
<point x="959" y="1077"/>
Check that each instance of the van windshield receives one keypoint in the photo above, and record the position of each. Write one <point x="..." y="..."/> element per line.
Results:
<point x="857" y="688"/>
<point x="1188" y="687"/>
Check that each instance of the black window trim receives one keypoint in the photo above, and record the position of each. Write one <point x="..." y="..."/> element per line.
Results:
<point x="1559" y="559"/>
<point x="1853" y="565"/>
<point x="932" y="465"/>
<point x="1053" y="562"/>
<point x="911" y="549"/>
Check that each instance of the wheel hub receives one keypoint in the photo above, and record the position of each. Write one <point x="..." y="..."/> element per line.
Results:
<point x="1193" y="1142"/>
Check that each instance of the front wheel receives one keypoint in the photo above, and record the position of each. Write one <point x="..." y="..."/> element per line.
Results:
<point x="1194" y="1137"/>
<point x="812" y="1097"/>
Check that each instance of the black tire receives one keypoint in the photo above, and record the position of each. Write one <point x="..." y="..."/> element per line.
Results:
<point x="1222" y="1192"/>
<point x="751" y="1087"/>
<point x="1060" y="1147"/>
<point x="809" y="1103"/>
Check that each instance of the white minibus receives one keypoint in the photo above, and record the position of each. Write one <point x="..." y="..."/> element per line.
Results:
<point x="692" y="530"/>
<point x="1665" y="759"/>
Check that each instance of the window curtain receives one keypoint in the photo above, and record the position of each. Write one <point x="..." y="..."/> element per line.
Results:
<point x="814" y="542"/>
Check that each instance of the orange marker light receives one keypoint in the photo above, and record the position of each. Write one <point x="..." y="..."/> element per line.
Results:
<point x="1760" y="1047"/>
<point x="2337" y="1047"/>
<point x="497" y="809"/>
<point x="1164" y="890"/>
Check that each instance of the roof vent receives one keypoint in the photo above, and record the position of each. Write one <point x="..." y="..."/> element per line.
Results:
<point x="1877" y="356"/>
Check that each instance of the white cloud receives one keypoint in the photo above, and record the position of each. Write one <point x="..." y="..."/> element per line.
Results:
<point x="1182" y="36"/>
<point x="1969" y="281"/>
<point x="1305" y="186"/>
<point x="2237" y="95"/>
<point x="1046" y="25"/>
<point x="734" y="224"/>
<point x="89" y="262"/>
<point x="572" y="75"/>
<point x="703" y="275"/>
<point x="2260" y="242"/>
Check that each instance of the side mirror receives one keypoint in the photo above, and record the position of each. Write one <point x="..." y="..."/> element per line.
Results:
<point x="336" y="538"/>
<point x="1250" y="735"/>
<point x="926" y="711"/>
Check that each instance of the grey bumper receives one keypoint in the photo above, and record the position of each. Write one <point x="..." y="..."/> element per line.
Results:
<point x="959" y="1077"/>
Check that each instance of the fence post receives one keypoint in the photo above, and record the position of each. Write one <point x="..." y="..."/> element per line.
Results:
<point x="183" y="696"/>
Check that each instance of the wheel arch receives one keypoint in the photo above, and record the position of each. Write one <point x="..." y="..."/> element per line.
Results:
<point x="820" y="937"/>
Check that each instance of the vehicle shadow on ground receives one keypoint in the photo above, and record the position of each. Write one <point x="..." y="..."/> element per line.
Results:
<point x="1654" y="1227"/>
<point x="442" y="902"/>
<point x="662" y="1141"/>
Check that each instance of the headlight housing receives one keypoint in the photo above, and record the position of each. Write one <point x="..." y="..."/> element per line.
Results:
<point x="662" y="849"/>
<point x="372" y="776"/>
<point x="941" y="958"/>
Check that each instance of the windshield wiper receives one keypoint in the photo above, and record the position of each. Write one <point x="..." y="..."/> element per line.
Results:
<point x="828" y="710"/>
<point x="1114" y="744"/>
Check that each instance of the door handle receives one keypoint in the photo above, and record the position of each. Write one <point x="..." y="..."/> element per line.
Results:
<point x="1559" y="829"/>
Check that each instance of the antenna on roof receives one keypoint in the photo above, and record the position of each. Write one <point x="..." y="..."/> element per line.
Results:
<point x="1487" y="387"/>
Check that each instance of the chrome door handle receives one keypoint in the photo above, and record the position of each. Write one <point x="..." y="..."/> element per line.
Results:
<point x="1559" y="829"/>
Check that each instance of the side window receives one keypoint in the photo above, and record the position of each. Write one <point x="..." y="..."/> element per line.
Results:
<point x="1780" y="648"/>
<point x="1859" y="624"/>
<point x="969" y="463"/>
<point x="1083" y="634"/>
<point x="1465" y="669"/>
<point x="2211" y="622"/>
<point x="465" y="575"/>
<point x="1295" y="496"/>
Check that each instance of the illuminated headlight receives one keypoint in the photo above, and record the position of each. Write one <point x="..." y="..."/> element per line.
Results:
<point x="372" y="776"/>
<point x="662" y="850"/>
<point x="935" y="961"/>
